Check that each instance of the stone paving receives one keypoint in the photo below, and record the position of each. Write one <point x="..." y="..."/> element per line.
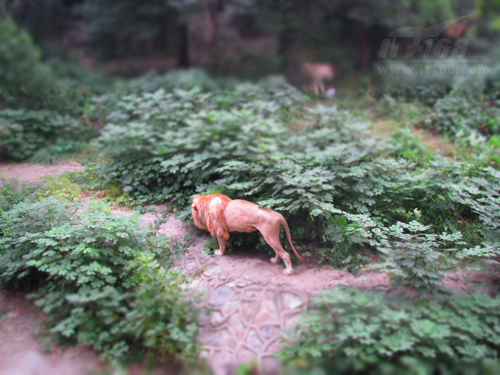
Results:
<point x="247" y="317"/>
<point x="250" y="315"/>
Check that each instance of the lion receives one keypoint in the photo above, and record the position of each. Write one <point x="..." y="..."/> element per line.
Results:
<point x="316" y="74"/>
<point x="220" y="215"/>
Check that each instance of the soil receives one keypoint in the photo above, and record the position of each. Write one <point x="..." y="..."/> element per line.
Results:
<point x="25" y="349"/>
<point x="307" y="277"/>
<point x="435" y="141"/>
<point x="31" y="173"/>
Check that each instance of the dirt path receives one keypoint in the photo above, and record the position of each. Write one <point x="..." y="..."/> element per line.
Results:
<point x="251" y="301"/>
<point x="24" y="349"/>
<point x="30" y="173"/>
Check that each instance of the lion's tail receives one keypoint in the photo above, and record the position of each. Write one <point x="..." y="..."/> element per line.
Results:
<point x="287" y="230"/>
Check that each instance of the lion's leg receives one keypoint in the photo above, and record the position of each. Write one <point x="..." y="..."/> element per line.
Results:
<point x="222" y="246"/>
<point x="276" y="259"/>
<point x="274" y="242"/>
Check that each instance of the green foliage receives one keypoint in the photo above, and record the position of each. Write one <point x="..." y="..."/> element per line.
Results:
<point x="460" y="116"/>
<point x="28" y="83"/>
<point x="415" y="257"/>
<point x="84" y="264"/>
<point x="56" y="153"/>
<point x="431" y="80"/>
<point x="12" y="192"/>
<point x="90" y="178"/>
<point x="163" y="318"/>
<point x="59" y="187"/>
<point x="426" y="93"/>
<point x="320" y="166"/>
<point x="20" y="63"/>
<point x="352" y="331"/>
<point x="147" y="130"/>
<point x="73" y="76"/>
<point x="408" y="146"/>
<point x="487" y="208"/>
<point x="44" y="134"/>
<point x="494" y="141"/>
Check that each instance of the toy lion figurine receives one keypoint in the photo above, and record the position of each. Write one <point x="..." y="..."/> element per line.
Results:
<point x="220" y="215"/>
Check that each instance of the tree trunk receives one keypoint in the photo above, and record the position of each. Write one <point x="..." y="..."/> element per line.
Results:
<point x="366" y="49"/>
<point x="285" y="50"/>
<point x="183" y="47"/>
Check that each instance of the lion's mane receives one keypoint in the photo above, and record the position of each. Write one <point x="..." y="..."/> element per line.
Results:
<point x="209" y="214"/>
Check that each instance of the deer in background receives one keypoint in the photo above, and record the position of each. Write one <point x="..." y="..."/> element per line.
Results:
<point x="315" y="76"/>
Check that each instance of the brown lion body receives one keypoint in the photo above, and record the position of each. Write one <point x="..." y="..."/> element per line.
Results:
<point x="220" y="215"/>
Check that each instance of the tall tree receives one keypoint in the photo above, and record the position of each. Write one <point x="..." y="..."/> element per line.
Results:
<point x="123" y="27"/>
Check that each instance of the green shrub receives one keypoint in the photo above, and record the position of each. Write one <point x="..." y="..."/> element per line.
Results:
<point x="426" y="93"/>
<point x="12" y="192"/>
<point x="163" y="319"/>
<point x="494" y="141"/>
<point x="28" y="83"/>
<point x="414" y="257"/>
<point x="461" y="115"/>
<point x="20" y="60"/>
<point x="147" y="130"/>
<point x="317" y="165"/>
<point x="408" y="146"/>
<point x="56" y="153"/>
<point x="352" y="331"/>
<point x="25" y="133"/>
<point x="59" y="187"/>
<point x="84" y="264"/>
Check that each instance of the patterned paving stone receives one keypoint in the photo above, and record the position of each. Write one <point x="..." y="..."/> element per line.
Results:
<point x="246" y="317"/>
<point x="220" y="295"/>
<point x="291" y="300"/>
<point x="212" y="271"/>
<point x="253" y="340"/>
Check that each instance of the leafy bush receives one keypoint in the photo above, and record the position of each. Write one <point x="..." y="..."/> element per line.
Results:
<point x="413" y="256"/>
<point x="317" y="165"/>
<point x="84" y="264"/>
<point x="353" y="331"/>
<point x="426" y="93"/>
<point x="162" y="318"/>
<point x="20" y="60"/>
<point x="59" y="187"/>
<point x="408" y="146"/>
<point x="460" y="115"/>
<point x="12" y="192"/>
<point x="24" y="133"/>
<point x="485" y="202"/>
<point x="27" y="82"/>
<point x="149" y="129"/>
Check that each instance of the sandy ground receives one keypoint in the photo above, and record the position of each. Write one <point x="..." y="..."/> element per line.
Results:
<point x="24" y="349"/>
<point x="307" y="277"/>
<point x="30" y="173"/>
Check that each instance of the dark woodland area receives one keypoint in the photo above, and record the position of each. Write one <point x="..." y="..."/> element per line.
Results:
<point x="372" y="128"/>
